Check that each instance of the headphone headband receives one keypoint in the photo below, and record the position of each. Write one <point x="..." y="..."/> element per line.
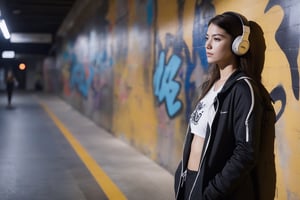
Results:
<point x="242" y="18"/>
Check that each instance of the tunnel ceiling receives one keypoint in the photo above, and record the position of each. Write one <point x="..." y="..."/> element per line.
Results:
<point x="32" y="17"/>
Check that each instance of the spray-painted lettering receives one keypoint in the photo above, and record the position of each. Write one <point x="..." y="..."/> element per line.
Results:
<point x="166" y="88"/>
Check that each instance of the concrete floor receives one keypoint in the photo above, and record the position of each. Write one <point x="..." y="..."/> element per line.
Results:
<point x="50" y="151"/>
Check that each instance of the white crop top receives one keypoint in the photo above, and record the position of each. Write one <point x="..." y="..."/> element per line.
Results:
<point x="204" y="113"/>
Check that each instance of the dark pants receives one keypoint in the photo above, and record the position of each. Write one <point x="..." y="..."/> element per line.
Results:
<point x="190" y="179"/>
<point x="9" y="95"/>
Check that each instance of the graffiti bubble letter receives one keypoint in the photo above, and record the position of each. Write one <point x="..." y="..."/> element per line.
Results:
<point x="166" y="89"/>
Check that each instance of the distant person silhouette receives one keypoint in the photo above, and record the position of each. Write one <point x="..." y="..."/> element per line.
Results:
<point x="10" y="84"/>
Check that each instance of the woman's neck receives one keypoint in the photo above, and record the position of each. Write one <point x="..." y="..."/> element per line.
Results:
<point x="224" y="75"/>
<point x="226" y="72"/>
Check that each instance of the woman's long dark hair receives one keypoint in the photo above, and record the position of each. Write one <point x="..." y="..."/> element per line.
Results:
<point x="252" y="62"/>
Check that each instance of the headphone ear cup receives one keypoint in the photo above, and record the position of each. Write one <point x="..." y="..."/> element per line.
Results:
<point x="240" y="46"/>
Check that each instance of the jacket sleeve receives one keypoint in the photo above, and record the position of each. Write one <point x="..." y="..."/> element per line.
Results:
<point x="246" y="127"/>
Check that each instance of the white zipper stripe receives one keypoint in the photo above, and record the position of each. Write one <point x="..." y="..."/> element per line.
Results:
<point x="251" y="109"/>
<point x="181" y="171"/>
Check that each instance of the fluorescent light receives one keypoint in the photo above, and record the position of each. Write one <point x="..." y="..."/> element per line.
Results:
<point x="8" y="54"/>
<point x="4" y="29"/>
<point x="31" y="38"/>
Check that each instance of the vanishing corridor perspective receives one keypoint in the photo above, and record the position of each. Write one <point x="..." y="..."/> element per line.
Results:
<point x="134" y="67"/>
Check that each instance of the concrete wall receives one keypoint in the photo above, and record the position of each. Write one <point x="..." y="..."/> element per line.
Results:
<point x="134" y="67"/>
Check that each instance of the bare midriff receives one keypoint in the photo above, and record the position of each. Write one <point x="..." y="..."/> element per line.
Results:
<point x="195" y="154"/>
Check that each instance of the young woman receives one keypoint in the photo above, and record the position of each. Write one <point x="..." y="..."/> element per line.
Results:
<point x="222" y="145"/>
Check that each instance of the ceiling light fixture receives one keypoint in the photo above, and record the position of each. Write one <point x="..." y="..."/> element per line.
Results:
<point x="31" y="38"/>
<point x="4" y="29"/>
<point x="8" y="54"/>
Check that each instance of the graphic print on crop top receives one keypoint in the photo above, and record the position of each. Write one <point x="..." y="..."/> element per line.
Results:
<point x="198" y="121"/>
<point x="203" y="113"/>
<point x="197" y="114"/>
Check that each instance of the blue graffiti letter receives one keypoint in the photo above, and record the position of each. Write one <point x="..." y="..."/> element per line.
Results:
<point x="166" y="89"/>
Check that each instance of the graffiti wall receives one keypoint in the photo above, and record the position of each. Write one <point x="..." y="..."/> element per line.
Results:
<point x="136" y="66"/>
<point x="87" y="70"/>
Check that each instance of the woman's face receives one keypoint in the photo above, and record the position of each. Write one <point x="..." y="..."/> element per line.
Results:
<point x="218" y="46"/>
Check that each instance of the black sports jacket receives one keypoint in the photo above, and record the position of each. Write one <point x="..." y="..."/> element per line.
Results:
<point x="231" y="146"/>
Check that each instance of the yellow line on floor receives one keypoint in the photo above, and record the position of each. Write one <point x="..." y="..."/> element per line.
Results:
<point x="107" y="185"/>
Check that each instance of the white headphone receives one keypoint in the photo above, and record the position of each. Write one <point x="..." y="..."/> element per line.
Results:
<point x="241" y="44"/>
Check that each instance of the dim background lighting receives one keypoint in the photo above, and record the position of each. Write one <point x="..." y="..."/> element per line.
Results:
<point x="22" y="66"/>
